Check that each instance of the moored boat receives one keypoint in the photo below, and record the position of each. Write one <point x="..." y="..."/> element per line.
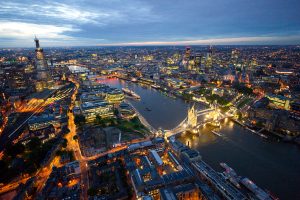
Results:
<point x="131" y="93"/>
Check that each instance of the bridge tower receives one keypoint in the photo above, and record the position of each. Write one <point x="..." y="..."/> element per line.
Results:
<point x="192" y="117"/>
<point x="215" y="113"/>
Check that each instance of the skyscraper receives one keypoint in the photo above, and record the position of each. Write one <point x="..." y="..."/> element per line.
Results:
<point x="209" y="57"/>
<point x="198" y="61"/>
<point x="187" y="53"/>
<point x="41" y="64"/>
<point x="43" y="78"/>
<point x="186" y="57"/>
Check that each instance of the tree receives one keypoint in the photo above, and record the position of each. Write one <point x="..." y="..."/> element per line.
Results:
<point x="243" y="89"/>
<point x="259" y="124"/>
<point x="3" y="166"/>
<point x="65" y="130"/>
<point x="79" y="119"/>
<point x="4" y="177"/>
<point x="187" y="96"/>
<point x="116" y="112"/>
<point x="64" y="143"/>
<point x="34" y="143"/>
<point x="13" y="150"/>
<point x="104" y="122"/>
<point x="92" y="192"/>
<point x="99" y="120"/>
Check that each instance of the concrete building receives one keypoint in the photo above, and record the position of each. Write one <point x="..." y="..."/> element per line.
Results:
<point x="42" y="121"/>
<point x="91" y="109"/>
<point x="187" y="191"/>
<point x="279" y="101"/>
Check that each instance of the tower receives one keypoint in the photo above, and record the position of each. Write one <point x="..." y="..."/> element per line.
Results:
<point x="41" y="64"/>
<point x="192" y="117"/>
<point x="215" y="113"/>
<point x="209" y="57"/>
<point x="37" y="43"/>
<point x="186" y="57"/>
<point x="187" y="53"/>
<point x="198" y="62"/>
<point x="43" y="78"/>
<point x="235" y="56"/>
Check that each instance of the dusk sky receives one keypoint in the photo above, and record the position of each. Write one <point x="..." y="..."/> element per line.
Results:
<point x="149" y="22"/>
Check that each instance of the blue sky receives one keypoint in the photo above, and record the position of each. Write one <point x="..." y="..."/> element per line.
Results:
<point x="149" y="22"/>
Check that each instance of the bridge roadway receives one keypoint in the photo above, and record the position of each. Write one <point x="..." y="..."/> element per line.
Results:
<point x="202" y="112"/>
<point x="183" y="126"/>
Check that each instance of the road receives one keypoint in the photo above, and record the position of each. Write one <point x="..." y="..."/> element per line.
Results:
<point x="42" y="174"/>
<point x="13" y="185"/>
<point x="4" y="124"/>
<point x="41" y="177"/>
<point x="74" y="145"/>
<point x="12" y="132"/>
<point x="5" y="139"/>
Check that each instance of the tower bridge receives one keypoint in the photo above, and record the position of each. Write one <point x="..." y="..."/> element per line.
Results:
<point x="192" y="123"/>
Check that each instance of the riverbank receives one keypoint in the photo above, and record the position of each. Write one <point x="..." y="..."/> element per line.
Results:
<point x="267" y="162"/>
<point x="206" y="105"/>
<point x="265" y="133"/>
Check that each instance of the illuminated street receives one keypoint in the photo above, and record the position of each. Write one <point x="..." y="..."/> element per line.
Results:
<point x="74" y="146"/>
<point x="43" y="174"/>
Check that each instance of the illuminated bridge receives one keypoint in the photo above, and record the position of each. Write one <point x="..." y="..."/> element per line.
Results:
<point x="213" y="116"/>
<point x="191" y="122"/>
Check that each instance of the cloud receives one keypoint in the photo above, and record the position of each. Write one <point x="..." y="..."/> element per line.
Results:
<point x="216" y="41"/>
<point x="103" y="14"/>
<point x="152" y="22"/>
<point x="55" y="10"/>
<point x="22" y="30"/>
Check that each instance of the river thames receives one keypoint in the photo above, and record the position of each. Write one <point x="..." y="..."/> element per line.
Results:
<point x="271" y="164"/>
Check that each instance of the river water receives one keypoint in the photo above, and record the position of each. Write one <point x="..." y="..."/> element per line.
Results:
<point x="272" y="165"/>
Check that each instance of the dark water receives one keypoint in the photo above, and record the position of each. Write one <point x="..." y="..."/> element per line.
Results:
<point x="270" y="164"/>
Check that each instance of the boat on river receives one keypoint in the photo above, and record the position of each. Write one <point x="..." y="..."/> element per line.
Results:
<point x="131" y="93"/>
<point x="155" y="86"/>
<point x="214" y="123"/>
<point x="230" y="175"/>
<point x="217" y="133"/>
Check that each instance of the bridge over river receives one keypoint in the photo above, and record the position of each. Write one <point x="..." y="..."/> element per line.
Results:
<point x="191" y="122"/>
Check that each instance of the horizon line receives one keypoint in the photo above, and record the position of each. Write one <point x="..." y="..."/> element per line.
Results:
<point x="258" y="40"/>
<point x="229" y="41"/>
<point x="148" y="45"/>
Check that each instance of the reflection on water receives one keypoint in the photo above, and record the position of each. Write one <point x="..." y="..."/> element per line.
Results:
<point x="272" y="165"/>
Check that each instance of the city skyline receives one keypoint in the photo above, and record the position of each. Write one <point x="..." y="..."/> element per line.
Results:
<point x="129" y="123"/>
<point x="140" y="23"/>
<point x="150" y="100"/>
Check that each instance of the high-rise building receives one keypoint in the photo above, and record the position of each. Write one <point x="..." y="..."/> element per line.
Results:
<point x="41" y="64"/>
<point x="235" y="56"/>
<point x="209" y="57"/>
<point x="186" y="57"/>
<point x="198" y="61"/>
<point x="44" y="80"/>
<point x="187" y="53"/>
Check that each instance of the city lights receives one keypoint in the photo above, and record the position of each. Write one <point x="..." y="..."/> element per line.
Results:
<point x="132" y="100"/>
